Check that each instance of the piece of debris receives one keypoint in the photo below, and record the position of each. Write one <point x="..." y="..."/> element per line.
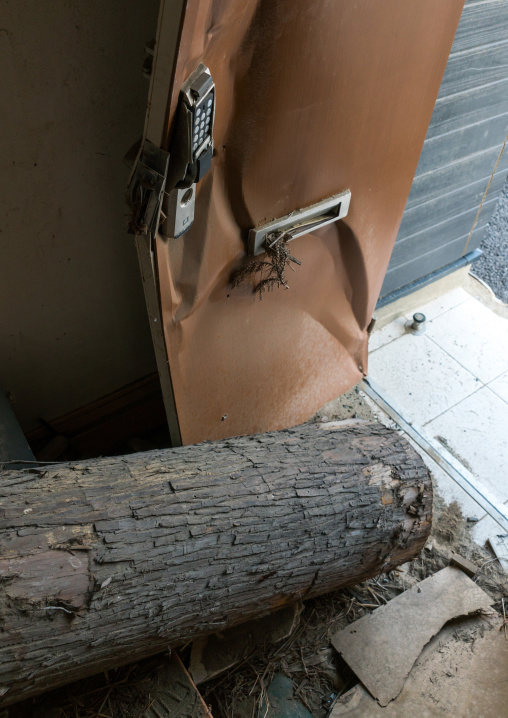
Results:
<point x="460" y="673"/>
<point x="158" y="687"/>
<point x="469" y="568"/>
<point x="173" y="694"/>
<point x="279" y="701"/>
<point x="211" y="655"/>
<point x="173" y="691"/>
<point x="382" y="647"/>
<point x="53" y="449"/>
<point x="499" y="545"/>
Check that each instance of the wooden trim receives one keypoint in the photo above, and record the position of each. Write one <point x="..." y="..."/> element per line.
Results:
<point x="106" y="424"/>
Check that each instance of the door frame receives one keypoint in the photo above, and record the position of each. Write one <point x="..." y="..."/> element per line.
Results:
<point x="169" y="23"/>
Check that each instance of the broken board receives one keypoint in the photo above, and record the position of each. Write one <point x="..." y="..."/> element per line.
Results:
<point x="382" y="647"/>
<point x="460" y="673"/>
<point x="173" y="694"/>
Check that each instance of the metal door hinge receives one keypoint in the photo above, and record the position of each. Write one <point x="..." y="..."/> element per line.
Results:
<point x="146" y="189"/>
<point x="148" y="59"/>
<point x="161" y="190"/>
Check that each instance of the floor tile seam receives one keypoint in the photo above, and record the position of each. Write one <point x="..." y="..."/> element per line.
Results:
<point x="453" y="406"/>
<point x="474" y="300"/>
<point x="499" y="377"/>
<point x="485" y="516"/>
<point x="373" y="351"/>
<point x="407" y="317"/>
<point x="486" y="386"/>
<point x="477" y="378"/>
<point x="475" y="473"/>
<point x="491" y="497"/>
<point x="486" y="483"/>
<point x="426" y="427"/>
<point x="450" y="309"/>
<point x="411" y="420"/>
<point x="496" y="330"/>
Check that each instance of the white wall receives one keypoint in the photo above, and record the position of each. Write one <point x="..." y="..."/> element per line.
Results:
<point x="73" y="325"/>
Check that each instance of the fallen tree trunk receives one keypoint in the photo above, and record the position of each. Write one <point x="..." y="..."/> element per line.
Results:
<point x="113" y="559"/>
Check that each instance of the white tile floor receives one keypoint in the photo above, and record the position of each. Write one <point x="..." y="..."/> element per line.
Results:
<point x="453" y="382"/>
<point x="421" y="377"/>
<point x="475" y="337"/>
<point x="476" y="431"/>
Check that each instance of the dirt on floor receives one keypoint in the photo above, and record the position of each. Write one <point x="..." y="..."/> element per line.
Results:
<point x="351" y="405"/>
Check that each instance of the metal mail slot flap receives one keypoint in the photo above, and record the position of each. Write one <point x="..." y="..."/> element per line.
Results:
<point x="301" y="221"/>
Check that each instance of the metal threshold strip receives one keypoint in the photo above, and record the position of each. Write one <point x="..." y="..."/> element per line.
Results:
<point x="464" y="478"/>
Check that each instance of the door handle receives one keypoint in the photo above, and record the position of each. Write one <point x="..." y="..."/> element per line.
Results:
<point x="299" y="222"/>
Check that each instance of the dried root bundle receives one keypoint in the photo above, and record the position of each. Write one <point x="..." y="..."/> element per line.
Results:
<point x="269" y="271"/>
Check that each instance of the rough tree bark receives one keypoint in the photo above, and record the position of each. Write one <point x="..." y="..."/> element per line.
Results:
<point x="111" y="560"/>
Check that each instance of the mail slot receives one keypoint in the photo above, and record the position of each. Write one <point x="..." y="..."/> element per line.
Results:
<point x="301" y="221"/>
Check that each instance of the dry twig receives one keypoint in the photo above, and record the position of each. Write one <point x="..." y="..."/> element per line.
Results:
<point x="505" y="621"/>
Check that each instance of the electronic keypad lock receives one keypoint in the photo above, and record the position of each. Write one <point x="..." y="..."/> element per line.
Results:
<point x="191" y="150"/>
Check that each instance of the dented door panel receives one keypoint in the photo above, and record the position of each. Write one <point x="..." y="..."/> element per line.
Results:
<point x="311" y="99"/>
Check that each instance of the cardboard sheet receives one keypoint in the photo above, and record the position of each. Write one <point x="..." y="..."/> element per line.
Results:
<point x="382" y="647"/>
<point x="461" y="673"/>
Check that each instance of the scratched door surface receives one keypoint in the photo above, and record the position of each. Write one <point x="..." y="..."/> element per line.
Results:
<point x="311" y="99"/>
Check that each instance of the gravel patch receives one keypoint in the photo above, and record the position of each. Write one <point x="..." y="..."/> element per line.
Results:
<point x="492" y="267"/>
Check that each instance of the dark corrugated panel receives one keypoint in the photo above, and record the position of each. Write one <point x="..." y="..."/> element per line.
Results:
<point x="464" y="140"/>
<point x="425" y="264"/>
<point x="454" y="146"/>
<point x="447" y="206"/>
<point x="482" y="23"/>
<point x="467" y="108"/>
<point x="455" y="176"/>
<point x="473" y="68"/>
<point x="433" y="248"/>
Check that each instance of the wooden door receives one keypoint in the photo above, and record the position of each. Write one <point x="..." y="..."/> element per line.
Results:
<point x="311" y="99"/>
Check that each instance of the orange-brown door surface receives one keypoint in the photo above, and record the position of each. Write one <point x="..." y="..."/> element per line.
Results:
<point x="311" y="99"/>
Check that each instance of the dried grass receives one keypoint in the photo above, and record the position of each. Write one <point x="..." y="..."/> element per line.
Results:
<point x="306" y="657"/>
<point x="268" y="272"/>
<point x="121" y="693"/>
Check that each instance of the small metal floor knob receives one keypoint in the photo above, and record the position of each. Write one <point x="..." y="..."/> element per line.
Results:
<point x="418" y="325"/>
